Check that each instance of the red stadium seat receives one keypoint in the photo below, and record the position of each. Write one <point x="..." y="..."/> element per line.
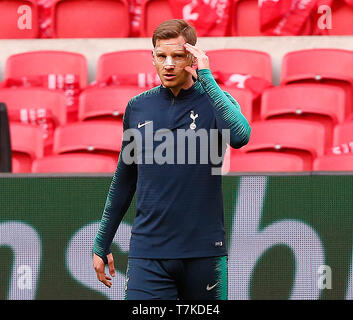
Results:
<point x="74" y="163"/>
<point x="342" y="19"/>
<point x="106" y="102"/>
<point x="100" y="136"/>
<point x="36" y="98"/>
<point x="26" y="144"/>
<point x="242" y="61"/>
<point x="317" y="64"/>
<point x="16" y="165"/>
<point x="266" y="162"/>
<point x="124" y="62"/>
<point x="14" y="17"/>
<point x="153" y="13"/>
<point x="47" y="62"/>
<point x="90" y="19"/>
<point x="342" y="162"/>
<point x="245" y="100"/>
<point x="245" y="18"/>
<point x="322" y="66"/>
<point x="343" y="133"/>
<point x="322" y="103"/>
<point x="303" y="137"/>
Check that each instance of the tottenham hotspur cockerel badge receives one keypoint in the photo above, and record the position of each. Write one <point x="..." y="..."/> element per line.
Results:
<point x="193" y="116"/>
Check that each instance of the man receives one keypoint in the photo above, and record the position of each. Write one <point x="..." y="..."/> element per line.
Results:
<point x="177" y="246"/>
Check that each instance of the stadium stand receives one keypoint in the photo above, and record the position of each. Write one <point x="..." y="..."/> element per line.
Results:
<point x="90" y="19"/>
<point x="248" y="70"/>
<point x="304" y="138"/>
<point x="324" y="104"/>
<point x="321" y="66"/>
<point x="101" y="137"/>
<point x="12" y="25"/>
<point x="74" y="163"/>
<point x="36" y="98"/>
<point x="343" y="138"/>
<point x="153" y="13"/>
<point x="119" y="63"/>
<point x="242" y="12"/>
<point x="106" y="102"/>
<point x="241" y="61"/>
<point x="245" y="99"/>
<point x="342" y="19"/>
<point x="266" y="162"/>
<point x="27" y="144"/>
<point x="334" y="163"/>
<point x="37" y="63"/>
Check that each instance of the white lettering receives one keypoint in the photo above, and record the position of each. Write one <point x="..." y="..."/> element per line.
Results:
<point x="325" y="21"/>
<point x="248" y="244"/>
<point x="325" y="279"/>
<point x="79" y="259"/>
<point x="25" y="21"/>
<point x="26" y="246"/>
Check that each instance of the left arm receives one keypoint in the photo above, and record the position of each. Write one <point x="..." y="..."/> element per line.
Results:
<point x="226" y="108"/>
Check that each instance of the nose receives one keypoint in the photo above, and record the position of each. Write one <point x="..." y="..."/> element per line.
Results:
<point x="169" y="66"/>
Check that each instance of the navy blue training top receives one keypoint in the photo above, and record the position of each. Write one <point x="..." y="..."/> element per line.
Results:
<point x="179" y="202"/>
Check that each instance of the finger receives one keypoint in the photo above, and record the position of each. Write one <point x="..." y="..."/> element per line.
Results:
<point x="102" y="277"/>
<point x="194" y="50"/>
<point x="111" y="264"/>
<point x="191" y="70"/>
<point x="111" y="268"/>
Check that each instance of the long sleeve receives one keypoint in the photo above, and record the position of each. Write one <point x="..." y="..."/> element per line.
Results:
<point x="121" y="192"/>
<point x="227" y="110"/>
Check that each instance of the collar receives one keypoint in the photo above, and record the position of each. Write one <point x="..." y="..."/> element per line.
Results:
<point x="183" y="93"/>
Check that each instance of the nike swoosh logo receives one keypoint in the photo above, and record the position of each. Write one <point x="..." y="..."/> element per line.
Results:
<point x="209" y="288"/>
<point x="139" y="125"/>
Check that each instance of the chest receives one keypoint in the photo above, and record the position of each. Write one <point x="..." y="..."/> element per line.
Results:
<point x="173" y="114"/>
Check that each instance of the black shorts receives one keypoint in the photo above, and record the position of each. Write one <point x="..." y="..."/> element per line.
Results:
<point x="183" y="279"/>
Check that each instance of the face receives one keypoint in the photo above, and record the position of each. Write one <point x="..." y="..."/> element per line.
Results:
<point x="170" y="58"/>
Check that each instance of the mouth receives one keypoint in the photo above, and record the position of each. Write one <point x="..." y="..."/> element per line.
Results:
<point x="169" y="76"/>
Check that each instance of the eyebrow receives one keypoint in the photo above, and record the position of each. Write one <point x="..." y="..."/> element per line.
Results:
<point x="158" y="50"/>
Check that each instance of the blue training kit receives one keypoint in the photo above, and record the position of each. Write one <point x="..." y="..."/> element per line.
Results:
<point x="179" y="206"/>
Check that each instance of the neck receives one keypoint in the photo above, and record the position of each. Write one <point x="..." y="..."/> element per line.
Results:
<point x="188" y="84"/>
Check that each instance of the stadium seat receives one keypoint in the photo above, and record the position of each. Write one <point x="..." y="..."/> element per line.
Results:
<point x="342" y="19"/>
<point x="16" y="165"/>
<point x="241" y="61"/>
<point x="342" y="162"/>
<point x="100" y="136"/>
<point x="45" y="62"/>
<point x="245" y="100"/>
<point x="302" y="137"/>
<point x="36" y="98"/>
<point x="343" y="138"/>
<point x="266" y="162"/>
<point x="105" y="103"/>
<point x="19" y="19"/>
<point x="317" y="64"/>
<point x="153" y="13"/>
<point x="124" y="62"/>
<point x="324" y="103"/>
<point x="245" y="18"/>
<point x="26" y="145"/>
<point x="74" y="163"/>
<point x="321" y="66"/>
<point x="90" y="19"/>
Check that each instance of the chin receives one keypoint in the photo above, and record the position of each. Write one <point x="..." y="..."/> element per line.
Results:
<point x="169" y="84"/>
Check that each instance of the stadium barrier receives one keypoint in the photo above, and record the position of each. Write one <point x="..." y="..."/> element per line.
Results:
<point x="289" y="236"/>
